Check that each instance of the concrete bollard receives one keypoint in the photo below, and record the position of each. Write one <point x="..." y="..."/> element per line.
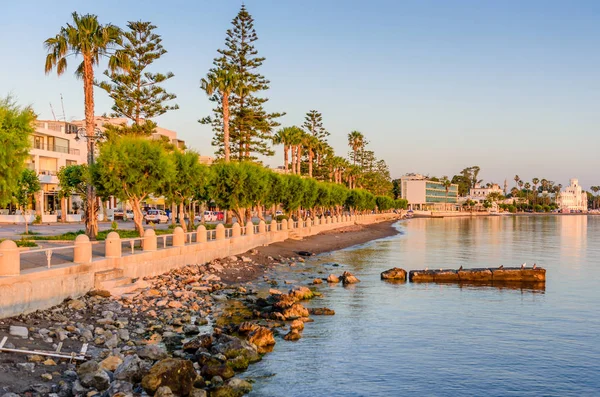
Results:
<point x="150" y="240"/>
<point x="83" y="250"/>
<point x="112" y="248"/>
<point x="10" y="259"/>
<point x="316" y="221"/>
<point x="262" y="227"/>
<point x="220" y="232"/>
<point x="178" y="237"/>
<point x="338" y="219"/>
<point x="201" y="234"/>
<point x="249" y="228"/>
<point x="284" y="224"/>
<point x="236" y="230"/>
<point x="308" y="222"/>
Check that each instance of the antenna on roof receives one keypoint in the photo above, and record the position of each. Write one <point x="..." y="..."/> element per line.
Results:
<point x="52" y="109"/>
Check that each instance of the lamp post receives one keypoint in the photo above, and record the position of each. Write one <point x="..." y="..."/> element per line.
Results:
<point x="91" y="217"/>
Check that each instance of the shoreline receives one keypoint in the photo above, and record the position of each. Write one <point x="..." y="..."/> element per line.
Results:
<point x="177" y="308"/>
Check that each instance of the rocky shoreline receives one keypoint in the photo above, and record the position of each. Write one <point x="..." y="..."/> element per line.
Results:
<point x="189" y="333"/>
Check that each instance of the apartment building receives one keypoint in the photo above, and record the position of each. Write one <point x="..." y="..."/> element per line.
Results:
<point x="425" y="194"/>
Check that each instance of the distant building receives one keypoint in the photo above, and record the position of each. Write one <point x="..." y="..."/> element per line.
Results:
<point x="479" y="194"/>
<point x="572" y="198"/>
<point x="207" y="160"/>
<point x="424" y="194"/>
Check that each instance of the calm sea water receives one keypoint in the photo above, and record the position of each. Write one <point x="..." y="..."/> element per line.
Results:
<point x="446" y="340"/>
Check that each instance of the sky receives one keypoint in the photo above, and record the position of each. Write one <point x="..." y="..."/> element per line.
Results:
<point x="435" y="86"/>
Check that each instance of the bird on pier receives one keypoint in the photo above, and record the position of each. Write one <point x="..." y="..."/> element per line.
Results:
<point x="534" y="266"/>
<point x="523" y="265"/>
<point x="501" y="267"/>
<point x="460" y="268"/>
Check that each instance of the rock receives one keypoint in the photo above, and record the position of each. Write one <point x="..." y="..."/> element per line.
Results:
<point x="198" y="393"/>
<point x="35" y="358"/>
<point x="283" y="301"/>
<point x="240" y="385"/>
<point x="332" y="278"/>
<point x="16" y="330"/>
<point x="91" y="375"/>
<point x="76" y="304"/>
<point x="293" y="335"/>
<point x="221" y="370"/>
<point x="294" y="312"/>
<point x="123" y="334"/>
<point x="164" y="391"/>
<point x="261" y="337"/>
<point x="152" y="352"/>
<point x="297" y="324"/>
<point x="10" y="395"/>
<point x="239" y="363"/>
<point x="175" y="304"/>
<point x="190" y="329"/>
<point x="301" y="293"/>
<point x="246" y="327"/>
<point x="120" y="388"/>
<point x="321" y="311"/>
<point x="112" y="342"/>
<point x="100" y="293"/>
<point x="49" y="362"/>
<point x="349" y="278"/>
<point x="232" y="258"/>
<point x="111" y="363"/>
<point x="29" y="367"/>
<point x="317" y="281"/>
<point x="201" y="341"/>
<point x="395" y="273"/>
<point x="46" y="377"/>
<point x="177" y="374"/>
<point x="132" y="369"/>
<point x="246" y="259"/>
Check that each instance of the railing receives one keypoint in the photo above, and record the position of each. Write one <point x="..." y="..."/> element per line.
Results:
<point x="55" y="148"/>
<point x="48" y="172"/>
<point x="48" y="253"/>
<point x="129" y="243"/>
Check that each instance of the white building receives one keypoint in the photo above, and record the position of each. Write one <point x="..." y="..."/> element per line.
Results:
<point x="573" y="198"/>
<point x="424" y="194"/>
<point x="479" y="194"/>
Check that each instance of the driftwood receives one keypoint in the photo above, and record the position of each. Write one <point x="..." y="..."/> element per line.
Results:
<point x="81" y="356"/>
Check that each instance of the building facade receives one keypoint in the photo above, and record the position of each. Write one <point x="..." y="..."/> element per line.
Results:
<point x="424" y="194"/>
<point x="479" y="194"/>
<point x="573" y="198"/>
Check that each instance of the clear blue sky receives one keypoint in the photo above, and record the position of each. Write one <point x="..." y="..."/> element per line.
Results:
<point x="511" y="86"/>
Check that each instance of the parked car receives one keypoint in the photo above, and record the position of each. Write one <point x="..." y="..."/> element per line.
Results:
<point x="213" y="216"/>
<point x="278" y="213"/>
<point x="156" y="216"/>
<point x="119" y="214"/>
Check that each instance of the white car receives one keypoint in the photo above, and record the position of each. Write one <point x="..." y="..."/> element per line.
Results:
<point x="156" y="216"/>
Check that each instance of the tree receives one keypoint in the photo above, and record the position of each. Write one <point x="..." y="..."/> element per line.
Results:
<point x="72" y="180"/>
<point x="356" y="141"/>
<point x="310" y="142"/>
<point x="16" y="125"/>
<point x="137" y="93"/>
<point x="132" y="168"/>
<point x="517" y="179"/>
<point x="250" y="125"/>
<point x="313" y="124"/>
<point x="285" y="137"/>
<point x="446" y="183"/>
<point x="28" y="185"/>
<point x="535" y="182"/>
<point x="88" y="38"/>
<point x="222" y="82"/>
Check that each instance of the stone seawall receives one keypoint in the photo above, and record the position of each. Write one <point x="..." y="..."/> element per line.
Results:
<point x="485" y="275"/>
<point x="41" y="288"/>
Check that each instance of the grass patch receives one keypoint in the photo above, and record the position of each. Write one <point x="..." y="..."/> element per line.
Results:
<point x="30" y="233"/>
<point x="23" y="243"/>
<point x="71" y="236"/>
<point x="65" y="236"/>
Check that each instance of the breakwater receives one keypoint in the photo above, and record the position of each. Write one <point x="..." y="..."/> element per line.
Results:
<point x="484" y="275"/>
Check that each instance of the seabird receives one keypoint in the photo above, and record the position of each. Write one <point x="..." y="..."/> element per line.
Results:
<point x="523" y="265"/>
<point x="501" y="267"/>
<point x="460" y="268"/>
<point x="534" y="266"/>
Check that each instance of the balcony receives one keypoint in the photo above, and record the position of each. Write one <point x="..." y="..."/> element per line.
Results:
<point x="56" y="148"/>
<point x="48" y="176"/>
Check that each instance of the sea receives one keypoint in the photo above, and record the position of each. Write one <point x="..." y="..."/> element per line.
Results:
<point x="405" y="339"/>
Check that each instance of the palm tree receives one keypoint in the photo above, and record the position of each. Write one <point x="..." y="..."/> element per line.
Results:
<point x="517" y="179"/>
<point x="310" y="142"/>
<point x="535" y="182"/>
<point x="356" y="141"/>
<point x="595" y="189"/>
<point x="88" y="38"/>
<point x="223" y="82"/>
<point x="446" y="183"/>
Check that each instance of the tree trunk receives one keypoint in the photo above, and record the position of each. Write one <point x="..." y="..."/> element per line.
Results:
<point x="293" y="159"/>
<point x="182" y="216"/>
<point x="226" y="126"/>
<point x="91" y="225"/>
<point x="310" y="162"/>
<point x="173" y="213"/>
<point x="285" y="157"/>
<point x="24" y="212"/>
<point x="63" y="209"/>
<point x="299" y="159"/>
<point x="137" y="216"/>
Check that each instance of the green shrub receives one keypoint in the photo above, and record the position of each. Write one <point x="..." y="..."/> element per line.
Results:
<point x="114" y="225"/>
<point x="37" y="220"/>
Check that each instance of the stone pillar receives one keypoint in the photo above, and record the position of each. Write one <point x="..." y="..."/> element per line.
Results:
<point x="308" y="223"/>
<point x="150" y="240"/>
<point x="284" y="224"/>
<point x="112" y="248"/>
<point x="262" y="227"/>
<point x="83" y="250"/>
<point x="236" y="230"/>
<point x="10" y="259"/>
<point x="220" y="232"/>
<point x="322" y="220"/>
<point x="201" y="234"/>
<point x="249" y="228"/>
<point x="178" y="237"/>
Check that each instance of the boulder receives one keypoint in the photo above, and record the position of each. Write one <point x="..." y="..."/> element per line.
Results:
<point x="201" y="341"/>
<point x="395" y="273"/>
<point x="222" y="370"/>
<point x="164" y="391"/>
<point x="317" y="281"/>
<point x="301" y="293"/>
<point x="16" y="330"/>
<point x="293" y="335"/>
<point x="233" y="388"/>
<point x="76" y="304"/>
<point x="91" y="375"/>
<point x="321" y="311"/>
<point x="152" y="352"/>
<point x="132" y="369"/>
<point x="177" y="374"/>
<point x="111" y="363"/>
<point x="239" y="363"/>
<point x="333" y="279"/>
<point x="120" y="388"/>
<point x="283" y="301"/>
<point x="198" y="393"/>
<point x="297" y="324"/>
<point x="294" y="312"/>
<point x="246" y="327"/>
<point x="349" y="278"/>
<point x="261" y="337"/>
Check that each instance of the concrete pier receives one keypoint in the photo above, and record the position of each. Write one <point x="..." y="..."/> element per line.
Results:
<point x="484" y="275"/>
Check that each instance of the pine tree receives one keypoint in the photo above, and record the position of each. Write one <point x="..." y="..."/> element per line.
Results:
<point x="313" y="124"/>
<point x="136" y="91"/>
<point x="250" y="125"/>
